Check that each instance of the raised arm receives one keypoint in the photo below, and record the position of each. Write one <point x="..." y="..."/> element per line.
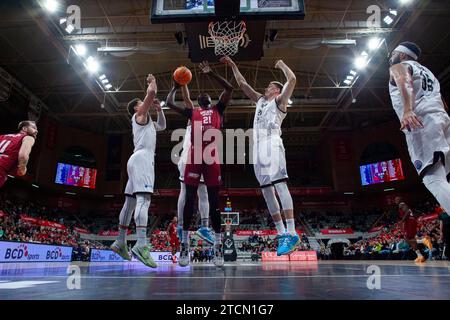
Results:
<point x="288" y="87"/>
<point x="160" y="123"/>
<point x="225" y="96"/>
<point x="186" y="97"/>
<point x="170" y="102"/>
<point x="142" y="113"/>
<point x="242" y="83"/>
<point x="24" y="155"/>
<point x="403" y="79"/>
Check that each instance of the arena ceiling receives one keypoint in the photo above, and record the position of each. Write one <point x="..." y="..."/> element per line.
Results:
<point x="35" y="50"/>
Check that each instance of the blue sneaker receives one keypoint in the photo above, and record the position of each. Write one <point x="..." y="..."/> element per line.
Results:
<point x="180" y="233"/>
<point x="287" y="244"/>
<point x="206" y="234"/>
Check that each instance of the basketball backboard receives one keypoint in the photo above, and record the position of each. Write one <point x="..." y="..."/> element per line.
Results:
<point x="185" y="11"/>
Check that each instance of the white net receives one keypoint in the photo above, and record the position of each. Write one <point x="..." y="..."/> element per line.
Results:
<point x="226" y="36"/>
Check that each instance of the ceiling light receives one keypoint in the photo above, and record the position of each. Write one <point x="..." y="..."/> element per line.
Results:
<point x="51" y="5"/>
<point x="92" y="65"/>
<point x="393" y="12"/>
<point x="361" y="62"/>
<point x="163" y="103"/>
<point x="374" y="43"/>
<point x="105" y="81"/>
<point x="347" y="82"/>
<point x="62" y="20"/>
<point x="290" y="102"/>
<point x="102" y="77"/>
<point x="353" y="73"/>
<point x="350" y="77"/>
<point x="108" y="86"/>
<point x="80" y="49"/>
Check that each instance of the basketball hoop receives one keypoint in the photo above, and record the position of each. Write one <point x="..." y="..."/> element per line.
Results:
<point x="226" y="36"/>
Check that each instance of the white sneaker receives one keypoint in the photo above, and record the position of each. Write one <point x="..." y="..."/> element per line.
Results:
<point x="218" y="257"/>
<point x="184" y="256"/>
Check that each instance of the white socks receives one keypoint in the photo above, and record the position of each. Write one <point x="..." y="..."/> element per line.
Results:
<point x="290" y="223"/>
<point x="141" y="233"/>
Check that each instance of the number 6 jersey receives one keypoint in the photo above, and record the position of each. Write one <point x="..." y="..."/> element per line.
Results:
<point x="427" y="92"/>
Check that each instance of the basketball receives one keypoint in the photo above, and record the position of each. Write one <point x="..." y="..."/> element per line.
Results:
<point x="182" y="75"/>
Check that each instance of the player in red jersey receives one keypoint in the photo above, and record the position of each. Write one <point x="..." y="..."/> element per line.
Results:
<point x="409" y="224"/>
<point x="15" y="150"/>
<point x="203" y="158"/>
<point x="172" y="235"/>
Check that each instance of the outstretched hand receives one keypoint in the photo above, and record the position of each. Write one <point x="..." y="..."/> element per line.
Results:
<point x="226" y="60"/>
<point x="156" y="104"/>
<point x="150" y="78"/>
<point x="204" y="67"/>
<point x="411" y="121"/>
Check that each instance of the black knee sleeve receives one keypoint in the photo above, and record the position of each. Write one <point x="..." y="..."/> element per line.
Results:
<point x="214" y="211"/>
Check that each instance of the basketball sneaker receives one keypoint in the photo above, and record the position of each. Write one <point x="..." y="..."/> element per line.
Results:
<point x="143" y="255"/>
<point x="206" y="234"/>
<point x="287" y="244"/>
<point x="121" y="249"/>
<point x="218" y="257"/>
<point x="183" y="261"/>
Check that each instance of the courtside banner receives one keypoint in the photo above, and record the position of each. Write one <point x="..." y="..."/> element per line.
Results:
<point x="337" y="231"/>
<point x="31" y="252"/>
<point x="98" y="255"/>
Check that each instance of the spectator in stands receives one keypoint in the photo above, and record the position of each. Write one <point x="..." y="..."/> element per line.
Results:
<point x="444" y="227"/>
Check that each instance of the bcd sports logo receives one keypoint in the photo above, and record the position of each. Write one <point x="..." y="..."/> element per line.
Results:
<point x="20" y="252"/>
<point x="56" y="254"/>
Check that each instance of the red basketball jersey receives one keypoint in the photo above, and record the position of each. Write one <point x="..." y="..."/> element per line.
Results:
<point x="9" y="150"/>
<point x="207" y="119"/>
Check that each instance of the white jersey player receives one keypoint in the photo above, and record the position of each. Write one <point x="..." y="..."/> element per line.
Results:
<point x="416" y="98"/>
<point x="269" y="160"/>
<point x="141" y="174"/>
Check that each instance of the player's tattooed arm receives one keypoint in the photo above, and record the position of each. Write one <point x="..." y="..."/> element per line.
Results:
<point x="288" y="87"/>
<point x="403" y="79"/>
<point x="24" y="155"/>
<point x="170" y="102"/>
<point x="242" y="83"/>
<point x="225" y="97"/>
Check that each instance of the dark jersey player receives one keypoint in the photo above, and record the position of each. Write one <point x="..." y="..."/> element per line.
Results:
<point x="203" y="159"/>
<point x="409" y="225"/>
<point x="15" y="150"/>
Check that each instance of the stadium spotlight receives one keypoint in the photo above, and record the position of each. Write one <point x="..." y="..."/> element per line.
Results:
<point x="361" y="62"/>
<point x="102" y="77"/>
<point x="51" y="5"/>
<point x="80" y="49"/>
<point x="404" y="1"/>
<point x="92" y="65"/>
<point x="347" y="82"/>
<point x="290" y="102"/>
<point x="353" y="73"/>
<point x="108" y="86"/>
<point x="388" y="20"/>
<point x="163" y="103"/>
<point x="393" y="12"/>
<point x="105" y="81"/>
<point x="350" y="77"/>
<point x="374" y="43"/>
<point x="62" y="20"/>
